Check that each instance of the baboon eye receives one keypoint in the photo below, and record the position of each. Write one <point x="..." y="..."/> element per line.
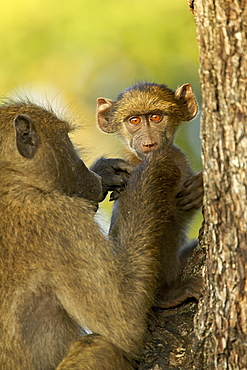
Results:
<point x="156" y="117"/>
<point x="135" y="120"/>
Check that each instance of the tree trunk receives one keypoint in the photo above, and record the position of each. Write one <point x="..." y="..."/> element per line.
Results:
<point x="221" y="323"/>
<point x="218" y="339"/>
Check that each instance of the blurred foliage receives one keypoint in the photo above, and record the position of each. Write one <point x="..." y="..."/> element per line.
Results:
<point x="71" y="52"/>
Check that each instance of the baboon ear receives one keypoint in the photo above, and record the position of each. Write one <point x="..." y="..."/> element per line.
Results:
<point x="185" y="94"/>
<point x="103" y="111"/>
<point x="27" y="140"/>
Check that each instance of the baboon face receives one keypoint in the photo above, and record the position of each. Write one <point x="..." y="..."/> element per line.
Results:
<point x="41" y="145"/>
<point x="147" y="115"/>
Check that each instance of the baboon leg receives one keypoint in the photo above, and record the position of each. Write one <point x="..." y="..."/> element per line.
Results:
<point x="93" y="352"/>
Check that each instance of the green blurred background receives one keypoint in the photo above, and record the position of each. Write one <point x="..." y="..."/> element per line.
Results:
<point x="71" y="52"/>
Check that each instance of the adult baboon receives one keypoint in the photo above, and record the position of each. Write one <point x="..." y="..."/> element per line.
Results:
<point x="58" y="273"/>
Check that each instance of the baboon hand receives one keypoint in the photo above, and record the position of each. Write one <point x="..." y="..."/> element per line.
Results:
<point x="114" y="173"/>
<point x="191" y="195"/>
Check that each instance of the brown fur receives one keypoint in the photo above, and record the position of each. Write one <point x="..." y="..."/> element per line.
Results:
<point x="141" y="102"/>
<point x="58" y="272"/>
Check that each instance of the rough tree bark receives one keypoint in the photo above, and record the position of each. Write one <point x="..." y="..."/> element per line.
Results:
<point x="218" y="337"/>
<point x="221" y="323"/>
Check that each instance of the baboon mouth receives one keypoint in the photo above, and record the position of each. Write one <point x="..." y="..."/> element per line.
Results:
<point x="149" y="149"/>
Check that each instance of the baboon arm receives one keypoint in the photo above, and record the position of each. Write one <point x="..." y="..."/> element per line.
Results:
<point x="90" y="295"/>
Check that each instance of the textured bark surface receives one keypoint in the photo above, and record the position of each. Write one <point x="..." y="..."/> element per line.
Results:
<point x="218" y="338"/>
<point x="221" y="323"/>
<point x="170" y="336"/>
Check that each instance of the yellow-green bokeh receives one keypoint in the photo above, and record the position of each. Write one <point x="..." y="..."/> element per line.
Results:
<point x="71" y="52"/>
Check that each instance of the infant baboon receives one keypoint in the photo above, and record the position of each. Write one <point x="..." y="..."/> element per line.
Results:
<point x="145" y="117"/>
<point x="59" y="275"/>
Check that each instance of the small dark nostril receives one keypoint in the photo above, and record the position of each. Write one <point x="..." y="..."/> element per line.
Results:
<point x="149" y="145"/>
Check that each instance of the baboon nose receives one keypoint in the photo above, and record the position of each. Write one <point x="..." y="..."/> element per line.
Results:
<point x="147" y="147"/>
